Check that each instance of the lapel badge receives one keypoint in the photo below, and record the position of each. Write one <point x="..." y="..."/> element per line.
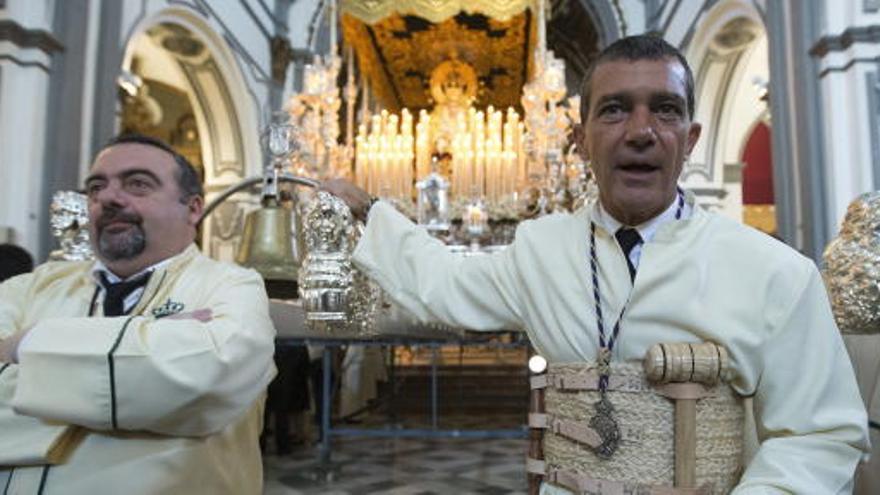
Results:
<point x="169" y="308"/>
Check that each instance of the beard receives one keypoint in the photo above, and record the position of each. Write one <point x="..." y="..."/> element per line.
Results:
<point x="122" y="245"/>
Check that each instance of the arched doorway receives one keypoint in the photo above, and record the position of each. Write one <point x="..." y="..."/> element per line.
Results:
<point x="180" y="83"/>
<point x="729" y="55"/>
<point x="759" y="208"/>
<point x="155" y="100"/>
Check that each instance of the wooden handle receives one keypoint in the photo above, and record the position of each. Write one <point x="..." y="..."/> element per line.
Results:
<point x="685" y="443"/>
<point x="704" y="362"/>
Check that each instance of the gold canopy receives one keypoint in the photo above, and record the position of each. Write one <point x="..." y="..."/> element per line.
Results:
<point x="435" y="11"/>
<point x="398" y="45"/>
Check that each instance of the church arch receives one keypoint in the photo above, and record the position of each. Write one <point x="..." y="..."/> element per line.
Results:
<point x="177" y="52"/>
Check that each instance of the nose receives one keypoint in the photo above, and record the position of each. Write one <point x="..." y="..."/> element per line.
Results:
<point x="110" y="195"/>
<point x="640" y="129"/>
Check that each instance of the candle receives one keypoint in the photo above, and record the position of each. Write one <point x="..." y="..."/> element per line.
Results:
<point x="360" y="161"/>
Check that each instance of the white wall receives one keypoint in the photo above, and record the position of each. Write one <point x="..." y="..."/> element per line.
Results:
<point x="847" y="126"/>
<point x="24" y="85"/>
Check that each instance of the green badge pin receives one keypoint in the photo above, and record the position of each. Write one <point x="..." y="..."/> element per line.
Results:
<point x="169" y="308"/>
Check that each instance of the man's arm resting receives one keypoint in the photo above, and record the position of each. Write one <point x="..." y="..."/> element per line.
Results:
<point x="170" y="376"/>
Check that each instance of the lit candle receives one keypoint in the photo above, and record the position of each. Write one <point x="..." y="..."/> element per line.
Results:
<point x="360" y="162"/>
<point x="521" y="152"/>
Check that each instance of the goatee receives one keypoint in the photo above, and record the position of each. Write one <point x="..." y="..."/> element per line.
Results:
<point x="124" y="245"/>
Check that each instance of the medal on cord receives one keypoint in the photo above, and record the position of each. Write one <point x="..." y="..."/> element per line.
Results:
<point x="603" y="421"/>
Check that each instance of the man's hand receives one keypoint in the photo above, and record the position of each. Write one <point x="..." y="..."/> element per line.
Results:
<point x="204" y="315"/>
<point x="9" y="346"/>
<point x="357" y="199"/>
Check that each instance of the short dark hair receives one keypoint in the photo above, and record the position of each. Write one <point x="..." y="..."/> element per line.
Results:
<point x="187" y="177"/>
<point x="14" y="260"/>
<point x="639" y="47"/>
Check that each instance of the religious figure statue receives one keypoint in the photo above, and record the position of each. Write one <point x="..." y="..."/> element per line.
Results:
<point x="454" y="90"/>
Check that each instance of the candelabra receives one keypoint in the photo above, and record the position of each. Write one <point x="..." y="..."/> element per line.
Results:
<point x="315" y="112"/>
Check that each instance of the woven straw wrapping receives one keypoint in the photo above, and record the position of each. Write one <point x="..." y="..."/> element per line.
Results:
<point x="645" y="455"/>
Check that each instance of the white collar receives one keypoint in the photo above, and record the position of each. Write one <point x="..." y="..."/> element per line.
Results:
<point x="99" y="267"/>
<point x="646" y="229"/>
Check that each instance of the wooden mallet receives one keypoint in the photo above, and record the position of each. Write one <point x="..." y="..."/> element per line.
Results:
<point x="686" y="372"/>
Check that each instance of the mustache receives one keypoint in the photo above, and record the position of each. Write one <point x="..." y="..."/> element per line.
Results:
<point x="109" y="216"/>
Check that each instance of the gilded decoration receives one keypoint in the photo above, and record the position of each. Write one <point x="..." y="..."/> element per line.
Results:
<point x="852" y="268"/>
<point x="471" y="99"/>
<point x="399" y="53"/>
<point x="436" y="11"/>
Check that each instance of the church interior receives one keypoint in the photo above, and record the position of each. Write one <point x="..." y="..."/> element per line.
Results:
<point x="462" y="114"/>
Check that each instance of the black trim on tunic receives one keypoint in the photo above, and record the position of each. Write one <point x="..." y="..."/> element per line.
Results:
<point x="43" y="479"/>
<point x="112" y="366"/>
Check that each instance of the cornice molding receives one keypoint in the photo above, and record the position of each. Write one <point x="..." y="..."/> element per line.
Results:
<point x="29" y="38"/>
<point x="837" y="43"/>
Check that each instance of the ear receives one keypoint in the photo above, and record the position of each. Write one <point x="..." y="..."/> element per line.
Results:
<point x="195" y="206"/>
<point x="693" y="136"/>
<point x="581" y="143"/>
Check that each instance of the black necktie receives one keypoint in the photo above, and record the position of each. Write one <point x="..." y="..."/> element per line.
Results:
<point x="628" y="238"/>
<point x="115" y="294"/>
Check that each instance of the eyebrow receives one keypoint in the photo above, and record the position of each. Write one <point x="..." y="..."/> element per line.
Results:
<point x="623" y="96"/>
<point x="669" y="96"/>
<point x="124" y="175"/>
<point x="611" y="97"/>
<point x="94" y="177"/>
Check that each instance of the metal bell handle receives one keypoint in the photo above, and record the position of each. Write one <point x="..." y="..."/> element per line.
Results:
<point x="252" y="181"/>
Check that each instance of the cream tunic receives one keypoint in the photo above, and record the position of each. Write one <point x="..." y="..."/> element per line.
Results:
<point x="135" y="404"/>
<point x="703" y="278"/>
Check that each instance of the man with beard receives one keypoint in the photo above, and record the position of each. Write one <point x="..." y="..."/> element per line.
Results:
<point x="595" y="289"/>
<point x="144" y="371"/>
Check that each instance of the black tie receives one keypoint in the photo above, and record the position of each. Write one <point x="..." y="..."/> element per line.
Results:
<point x="628" y="238"/>
<point x="115" y="294"/>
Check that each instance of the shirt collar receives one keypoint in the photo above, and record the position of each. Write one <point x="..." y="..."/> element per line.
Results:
<point x="99" y="267"/>
<point x="647" y="229"/>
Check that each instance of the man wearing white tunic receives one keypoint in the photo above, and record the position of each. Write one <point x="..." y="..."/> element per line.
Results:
<point x="143" y="372"/>
<point x="689" y="276"/>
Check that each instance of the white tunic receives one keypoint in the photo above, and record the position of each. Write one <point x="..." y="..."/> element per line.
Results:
<point x="700" y="278"/>
<point x="136" y="404"/>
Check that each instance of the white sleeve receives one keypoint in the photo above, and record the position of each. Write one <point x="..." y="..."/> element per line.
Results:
<point x="423" y="276"/>
<point x="811" y="421"/>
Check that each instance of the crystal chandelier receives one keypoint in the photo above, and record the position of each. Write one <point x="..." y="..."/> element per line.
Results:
<point x="314" y="112"/>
